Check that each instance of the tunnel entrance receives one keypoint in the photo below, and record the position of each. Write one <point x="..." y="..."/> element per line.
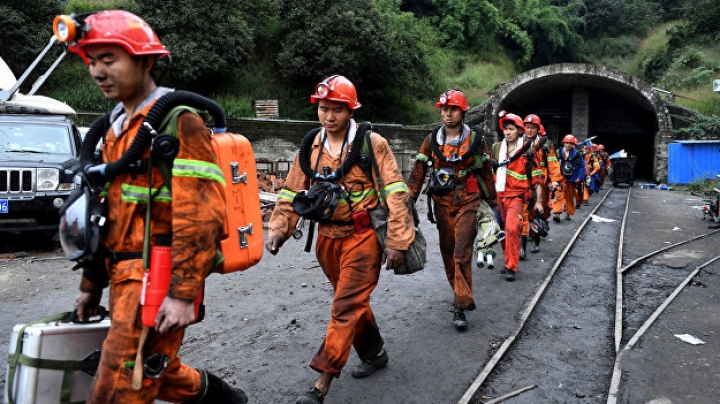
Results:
<point x="587" y="100"/>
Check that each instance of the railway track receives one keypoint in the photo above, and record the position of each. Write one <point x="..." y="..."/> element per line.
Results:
<point x="612" y="301"/>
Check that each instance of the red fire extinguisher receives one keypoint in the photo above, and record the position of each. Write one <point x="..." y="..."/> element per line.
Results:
<point x="155" y="286"/>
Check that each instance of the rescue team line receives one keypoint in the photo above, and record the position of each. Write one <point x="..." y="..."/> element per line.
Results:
<point x="619" y="270"/>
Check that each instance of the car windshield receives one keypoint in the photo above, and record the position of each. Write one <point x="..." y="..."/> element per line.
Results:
<point x="16" y="137"/>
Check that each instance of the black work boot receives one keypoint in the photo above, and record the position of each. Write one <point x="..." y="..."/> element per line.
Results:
<point x="523" y="245"/>
<point x="459" y="320"/>
<point x="214" y="390"/>
<point x="365" y="369"/>
<point x="535" y="244"/>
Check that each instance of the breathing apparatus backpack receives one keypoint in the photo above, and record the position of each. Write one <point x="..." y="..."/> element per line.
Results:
<point x="442" y="179"/>
<point x="242" y="243"/>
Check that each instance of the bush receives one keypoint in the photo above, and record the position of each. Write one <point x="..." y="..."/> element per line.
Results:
<point x="84" y="6"/>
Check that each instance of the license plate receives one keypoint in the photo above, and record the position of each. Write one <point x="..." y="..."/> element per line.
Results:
<point x="4" y="207"/>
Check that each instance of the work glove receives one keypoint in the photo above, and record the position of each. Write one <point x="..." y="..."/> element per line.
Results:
<point x="95" y="175"/>
<point x="273" y="244"/>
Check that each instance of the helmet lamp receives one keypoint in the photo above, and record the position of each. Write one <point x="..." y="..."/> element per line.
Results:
<point x="322" y="90"/>
<point x="65" y="28"/>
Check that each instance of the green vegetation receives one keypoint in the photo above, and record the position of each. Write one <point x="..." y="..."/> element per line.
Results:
<point x="399" y="53"/>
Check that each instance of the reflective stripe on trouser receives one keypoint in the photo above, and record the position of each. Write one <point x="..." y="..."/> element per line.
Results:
<point x="567" y="194"/>
<point x="113" y="381"/>
<point x="456" y="234"/>
<point x="352" y="265"/>
<point x="513" y="228"/>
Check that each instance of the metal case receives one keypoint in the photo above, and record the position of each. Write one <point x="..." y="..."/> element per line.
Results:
<point x="63" y="343"/>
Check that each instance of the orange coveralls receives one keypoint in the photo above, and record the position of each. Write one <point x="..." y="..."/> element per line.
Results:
<point x="350" y="260"/>
<point x="569" y="196"/>
<point x="194" y="215"/>
<point x="513" y="199"/>
<point x="591" y="168"/>
<point x="456" y="211"/>
<point x="605" y="157"/>
<point x="551" y="173"/>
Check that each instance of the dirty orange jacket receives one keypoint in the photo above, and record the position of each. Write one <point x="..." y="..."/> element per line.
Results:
<point x="478" y="165"/>
<point x="193" y="214"/>
<point x="516" y="181"/>
<point x="591" y="164"/>
<point x="546" y="154"/>
<point x="401" y="229"/>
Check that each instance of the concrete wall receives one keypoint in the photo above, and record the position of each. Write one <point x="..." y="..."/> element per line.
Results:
<point x="277" y="140"/>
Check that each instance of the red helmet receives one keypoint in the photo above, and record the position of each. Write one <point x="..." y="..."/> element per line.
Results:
<point x="336" y="88"/>
<point x="541" y="131"/>
<point x="570" y="139"/>
<point x="453" y="98"/>
<point x="512" y="118"/>
<point x="595" y="147"/>
<point x="532" y="118"/>
<point x="601" y="147"/>
<point x="109" y="27"/>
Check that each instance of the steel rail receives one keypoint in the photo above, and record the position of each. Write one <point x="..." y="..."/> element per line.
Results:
<point x="617" y="371"/>
<point x="618" y="277"/>
<point x="650" y="254"/>
<point x="465" y="399"/>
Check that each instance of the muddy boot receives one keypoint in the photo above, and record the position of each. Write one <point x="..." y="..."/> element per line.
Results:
<point x="556" y="217"/>
<point x="214" y="390"/>
<point x="523" y="245"/>
<point x="459" y="320"/>
<point x="535" y="244"/>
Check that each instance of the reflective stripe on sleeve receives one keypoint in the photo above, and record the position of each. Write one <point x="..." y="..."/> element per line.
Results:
<point x="198" y="169"/>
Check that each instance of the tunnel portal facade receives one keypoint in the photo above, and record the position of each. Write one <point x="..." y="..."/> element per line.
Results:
<point x="622" y="111"/>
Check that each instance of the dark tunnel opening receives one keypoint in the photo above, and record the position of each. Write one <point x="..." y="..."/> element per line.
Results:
<point x="619" y="119"/>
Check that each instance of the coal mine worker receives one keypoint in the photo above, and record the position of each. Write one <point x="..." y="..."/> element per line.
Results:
<point x="592" y="169"/>
<point x="517" y="175"/>
<point x="460" y="180"/>
<point x="120" y="50"/>
<point x="545" y="154"/>
<point x="327" y="185"/>
<point x="572" y="168"/>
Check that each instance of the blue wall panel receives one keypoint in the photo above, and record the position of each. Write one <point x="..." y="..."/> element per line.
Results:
<point x="692" y="161"/>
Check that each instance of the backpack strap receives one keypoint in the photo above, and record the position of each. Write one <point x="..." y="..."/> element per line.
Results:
<point x="479" y="158"/>
<point x="169" y="125"/>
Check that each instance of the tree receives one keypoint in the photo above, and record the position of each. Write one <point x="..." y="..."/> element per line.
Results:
<point x="463" y="24"/>
<point x="618" y="17"/>
<point x="379" y="49"/>
<point x="27" y="29"/>
<point x="209" y="40"/>
<point x="703" y="16"/>
<point x="543" y="33"/>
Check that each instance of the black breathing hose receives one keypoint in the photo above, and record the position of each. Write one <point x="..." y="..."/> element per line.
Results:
<point x="353" y="154"/>
<point x="91" y="139"/>
<point x="146" y="132"/>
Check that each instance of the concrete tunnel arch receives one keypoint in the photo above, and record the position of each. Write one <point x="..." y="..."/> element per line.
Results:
<point x="588" y="100"/>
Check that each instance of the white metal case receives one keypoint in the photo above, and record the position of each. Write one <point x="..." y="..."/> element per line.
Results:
<point x="63" y="344"/>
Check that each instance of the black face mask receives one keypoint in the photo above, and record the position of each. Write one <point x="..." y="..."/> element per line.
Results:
<point x="442" y="182"/>
<point x="319" y="202"/>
